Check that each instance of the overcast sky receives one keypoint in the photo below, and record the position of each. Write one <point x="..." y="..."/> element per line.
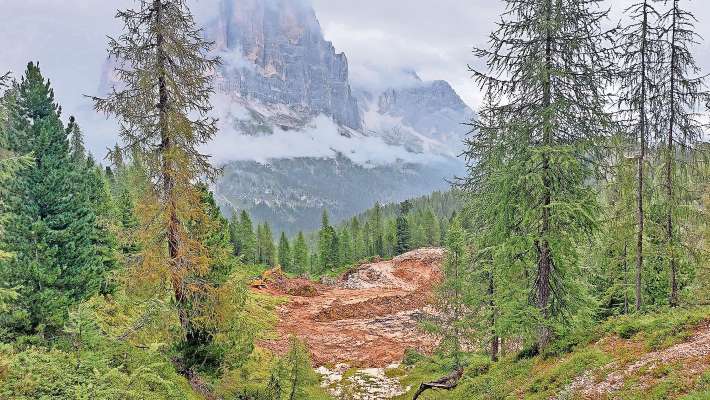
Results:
<point x="433" y="37"/>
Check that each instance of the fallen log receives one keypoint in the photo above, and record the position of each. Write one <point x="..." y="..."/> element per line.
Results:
<point x="447" y="383"/>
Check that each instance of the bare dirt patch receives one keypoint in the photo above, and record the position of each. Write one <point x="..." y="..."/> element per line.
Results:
<point x="368" y="317"/>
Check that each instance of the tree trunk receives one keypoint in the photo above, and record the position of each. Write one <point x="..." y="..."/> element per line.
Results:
<point x="669" y="169"/>
<point x="491" y="305"/>
<point x="168" y="171"/>
<point x="641" y="156"/>
<point x="544" y="253"/>
<point x="447" y="383"/>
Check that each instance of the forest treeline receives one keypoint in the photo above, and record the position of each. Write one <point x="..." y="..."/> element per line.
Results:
<point x="383" y="231"/>
<point x="586" y="197"/>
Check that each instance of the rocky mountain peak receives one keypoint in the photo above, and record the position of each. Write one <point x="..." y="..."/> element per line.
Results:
<point x="274" y="51"/>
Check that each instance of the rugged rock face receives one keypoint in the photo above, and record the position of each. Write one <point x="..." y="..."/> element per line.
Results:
<point x="274" y="51"/>
<point x="423" y="116"/>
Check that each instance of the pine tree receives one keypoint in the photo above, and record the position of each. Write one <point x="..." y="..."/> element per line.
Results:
<point x="285" y="257"/>
<point x="52" y="229"/>
<point x="546" y="71"/>
<point x="682" y="93"/>
<point x="300" y="255"/>
<point x="162" y="104"/>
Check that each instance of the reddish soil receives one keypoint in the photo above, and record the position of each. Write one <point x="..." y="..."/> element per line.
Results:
<point x="368" y="318"/>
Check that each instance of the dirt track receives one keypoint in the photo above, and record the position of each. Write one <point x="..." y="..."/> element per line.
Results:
<point x="369" y="318"/>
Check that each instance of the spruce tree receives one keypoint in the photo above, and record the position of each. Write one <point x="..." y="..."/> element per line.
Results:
<point x="76" y="141"/>
<point x="247" y="239"/>
<point x="162" y="104"/>
<point x="403" y="234"/>
<point x="284" y="250"/>
<point x="547" y="72"/>
<point x="300" y="255"/>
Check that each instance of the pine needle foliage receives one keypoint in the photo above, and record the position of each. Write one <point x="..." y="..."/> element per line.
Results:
<point x="547" y="74"/>
<point x="162" y="102"/>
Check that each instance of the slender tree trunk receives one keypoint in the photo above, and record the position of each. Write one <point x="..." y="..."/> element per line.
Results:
<point x="168" y="171"/>
<point x="626" y="283"/>
<point x="669" y="168"/>
<point x="641" y="157"/>
<point x="545" y="257"/>
<point x="491" y="305"/>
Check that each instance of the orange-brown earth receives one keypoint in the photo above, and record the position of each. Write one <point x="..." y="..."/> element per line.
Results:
<point x="366" y="318"/>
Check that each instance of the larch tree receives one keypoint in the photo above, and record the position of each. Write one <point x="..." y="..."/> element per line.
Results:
<point x="682" y="93"/>
<point x="546" y="67"/>
<point x="162" y="103"/>
<point x="454" y="321"/>
<point x="640" y="59"/>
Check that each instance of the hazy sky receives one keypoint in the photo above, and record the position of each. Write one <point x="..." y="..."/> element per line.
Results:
<point x="433" y="37"/>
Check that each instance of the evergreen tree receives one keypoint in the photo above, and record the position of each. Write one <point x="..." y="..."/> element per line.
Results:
<point x="639" y="81"/>
<point x="377" y="231"/>
<point x="682" y="92"/>
<point x="265" y="248"/>
<point x="77" y="150"/>
<point x="403" y="234"/>
<point x="453" y="296"/>
<point x="52" y="230"/>
<point x="247" y="239"/>
<point x="328" y="247"/>
<point x="300" y="255"/>
<point x="285" y="257"/>
<point x="162" y="104"/>
<point x="546" y="73"/>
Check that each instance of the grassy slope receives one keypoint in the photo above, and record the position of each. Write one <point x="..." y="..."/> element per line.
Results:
<point x="622" y="340"/>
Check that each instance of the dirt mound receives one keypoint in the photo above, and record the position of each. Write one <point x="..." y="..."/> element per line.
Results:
<point x="369" y="317"/>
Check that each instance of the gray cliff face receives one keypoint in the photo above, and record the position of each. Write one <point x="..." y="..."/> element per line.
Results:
<point x="429" y="109"/>
<point x="274" y="51"/>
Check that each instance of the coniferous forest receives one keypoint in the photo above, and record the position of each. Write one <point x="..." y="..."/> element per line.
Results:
<point x="576" y="245"/>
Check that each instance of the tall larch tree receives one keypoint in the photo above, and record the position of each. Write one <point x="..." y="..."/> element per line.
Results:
<point x="640" y="58"/>
<point x="162" y="102"/>
<point x="683" y="92"/>
<point x="546" y="67"/>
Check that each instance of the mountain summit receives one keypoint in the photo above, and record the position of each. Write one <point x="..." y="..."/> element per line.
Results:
<point x="297" y="136"/>
<point x="274" y="51"/>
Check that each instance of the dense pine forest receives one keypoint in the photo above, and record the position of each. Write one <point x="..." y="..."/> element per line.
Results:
<point x="583" y="218"/>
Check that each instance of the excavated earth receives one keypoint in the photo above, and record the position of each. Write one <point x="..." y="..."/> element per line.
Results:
<point x="366" y="318"/>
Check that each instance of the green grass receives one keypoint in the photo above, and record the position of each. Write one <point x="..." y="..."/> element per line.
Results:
<point x="550" y="374"/>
